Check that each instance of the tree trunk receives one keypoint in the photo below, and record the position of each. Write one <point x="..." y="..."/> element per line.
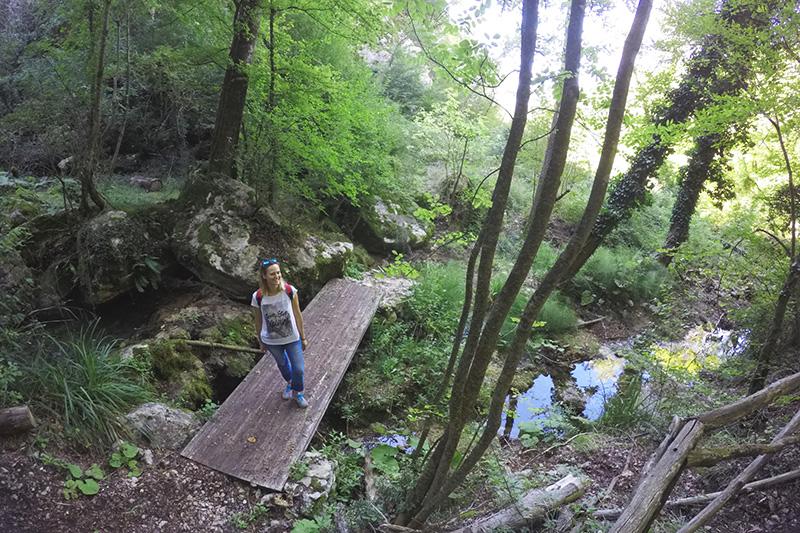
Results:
<point x="92" y="156"/>
<point x="774" y="334"/>
<point x="653" y="490"/>
<point x="490" y="231"/>
<point x="733" y="488"/>
<point x="706" y="160"/>
<point x="705" y="80"/>
<point x="16" y="420"/>
<point x="230" y="109"/>
<point x="535" y="505"/>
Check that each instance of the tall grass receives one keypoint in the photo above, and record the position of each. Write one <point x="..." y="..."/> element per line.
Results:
<point x="620" y="274"/>
<point x="85" y="385"/>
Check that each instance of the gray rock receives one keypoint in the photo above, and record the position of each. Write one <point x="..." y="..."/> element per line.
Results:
<point x="312" y="491"/>
<point x="162" y="426"/>
<point x="111" y="250"/>
<point x="393" y="290"/>
<point x="222" y="241"/>
<point x="383" y="226"/>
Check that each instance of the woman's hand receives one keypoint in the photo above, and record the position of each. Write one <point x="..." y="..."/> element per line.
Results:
<point x="305" y="343"/>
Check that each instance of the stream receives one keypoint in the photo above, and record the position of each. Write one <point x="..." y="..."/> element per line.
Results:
<point x="596" y="378"/>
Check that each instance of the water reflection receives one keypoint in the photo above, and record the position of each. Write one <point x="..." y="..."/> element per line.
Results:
<point x="599" y="378"/>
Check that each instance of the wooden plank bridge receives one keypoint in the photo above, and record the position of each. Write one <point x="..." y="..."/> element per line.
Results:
<point x="255" y="435"/>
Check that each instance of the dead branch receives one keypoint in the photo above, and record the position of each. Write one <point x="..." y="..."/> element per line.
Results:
<point x="733" y="488"/>
<point x="217" y="345"/>
<point x="755" y="486"/>
<point x="712" y="456"/>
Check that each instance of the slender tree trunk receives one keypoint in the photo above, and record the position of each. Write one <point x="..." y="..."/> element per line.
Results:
<point x="92" y="157"/>
<point x="121" y="135"/>
<point x="706" y="160"/>
<point x="545" y="199"/>
<point x="434" y="469"/>
<point x="774" y="334"/>
<point x="273" y="143"/>
<point x="230" y="109"/>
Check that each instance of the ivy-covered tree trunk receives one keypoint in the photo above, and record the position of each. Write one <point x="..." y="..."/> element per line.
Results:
<point x="230" y="109"/>
<point x="706" y="163"/>
<point x="91" y="159"/>
<point x="720" y="67"/>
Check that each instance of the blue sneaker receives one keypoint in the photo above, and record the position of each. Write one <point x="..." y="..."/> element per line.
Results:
<point x="301" y="400"/>
<point x="287" y="392"/>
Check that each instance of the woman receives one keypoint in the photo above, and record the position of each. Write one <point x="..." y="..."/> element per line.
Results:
<point x="280" y="323"/>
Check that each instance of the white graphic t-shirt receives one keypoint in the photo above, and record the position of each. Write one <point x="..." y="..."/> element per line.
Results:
<point x="277" y="319"/>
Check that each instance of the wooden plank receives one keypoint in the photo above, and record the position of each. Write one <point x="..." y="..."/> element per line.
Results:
<point x="255" y="435"/>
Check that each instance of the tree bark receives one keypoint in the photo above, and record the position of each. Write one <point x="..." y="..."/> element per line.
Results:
<point x="653" y="490"/>
<point x="92" y="156"/>
<point x="712" y="456"/>
<point x="706" y="160"/>
<point x="533" y="506"/>
<point x="230" y="109"/>
<point x="761" y="484"/>
<point x="16" y="420"/>
<point x="733" y="488"/>
<point x="776" y="328"/>
<point x="704" y="81"/>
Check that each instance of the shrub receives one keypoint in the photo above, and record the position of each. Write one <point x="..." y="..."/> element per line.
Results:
<point x="85" y="385"/>
<point x="619" y="274"/>
<point x="438" y="297"/>
<point x="557" y="315"/>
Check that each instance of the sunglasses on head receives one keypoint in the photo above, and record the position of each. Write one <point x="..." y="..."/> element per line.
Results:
<point x="267" y="262"/>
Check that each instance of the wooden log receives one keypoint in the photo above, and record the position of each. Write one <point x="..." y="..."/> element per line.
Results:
<point x="734" y="411"/>
<point x="205" y="344"/>
<point x="733" y="488"/>
<point x="534" y="505"/>
<point x="755" y="486"/>
<point x="16" y="420"/>
<point x="653" y="490"/>
<point x="712" y="456"/>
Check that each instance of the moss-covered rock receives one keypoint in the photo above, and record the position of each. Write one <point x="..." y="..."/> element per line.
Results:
<point x="382" y="226"/>
<point x="183" y="374"/>
<point x="223" y="238"/>
<point x="116" y="253"/>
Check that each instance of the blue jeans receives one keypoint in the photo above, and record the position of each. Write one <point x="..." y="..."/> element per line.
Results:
<point x="290" y="362"/>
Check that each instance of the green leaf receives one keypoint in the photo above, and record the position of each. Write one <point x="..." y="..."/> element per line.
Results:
<point x="89" y="487"/>
<point x="384" y="459"/>
<point x="354" y="444"/>
<point x="129" y="450"/>
<point x="75" y="471"/>
<point x="95" y="472"/>
<point x="116" y="460"/>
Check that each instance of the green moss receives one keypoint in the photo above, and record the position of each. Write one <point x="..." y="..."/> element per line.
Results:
<point x="195" y="389"/>
<point x="237" y="331"/>
<point x="170" y="358"/>
<point x="239" y="364"/>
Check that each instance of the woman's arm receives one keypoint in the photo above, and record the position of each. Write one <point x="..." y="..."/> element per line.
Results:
<point x="298" y="318"/>
<point x="258" y="318"/>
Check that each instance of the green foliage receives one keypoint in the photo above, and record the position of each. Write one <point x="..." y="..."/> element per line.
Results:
<point x="348" y="456"/>
<point x="207" y="410"/>
<point x="620" y="274"/>
<point x="556" y="425"/>
<point x="9" y="374"/>
<point x="384" y="457"/>
<point x="78" y="481"/>
<point x="399" y="268"/>
<point x="298" y="470"/>
<point x="146" y="273"/>
<point x="83" y="384"/>
<point x="125" y="458"/>
<point x="246" y="519"/>
<point x="438" y="296"/>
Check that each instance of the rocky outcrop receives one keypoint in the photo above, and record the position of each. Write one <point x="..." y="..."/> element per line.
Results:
<point x="117" y="253"/>
<point x="162" y="426"/>
<point x="314" y="486"/>
<point x="383" y="226"/>
<point x="17" y="294"/>
<point x="225" y="236"/>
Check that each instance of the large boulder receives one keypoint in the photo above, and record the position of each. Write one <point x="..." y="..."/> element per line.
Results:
<point x="227" y="233"/>
<point x="384" y="226"/>
<point x="117" y="253"/>
<point x="162" y="426"/>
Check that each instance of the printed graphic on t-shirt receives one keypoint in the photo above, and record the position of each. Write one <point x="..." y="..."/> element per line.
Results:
<point x="279" y="323"/>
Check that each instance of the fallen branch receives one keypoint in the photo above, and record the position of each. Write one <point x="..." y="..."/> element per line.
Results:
<point x="749" y="404"/>
<point x="653" y="488"/>
<point x="733" y="488"/>
<point x="205" y="344"/>
<point x="755" y="486"/>
<point x="16" y="420"/>
<point x="534" y="505"/>
<point x="712" y="456"/>
<point x="583" y="324"/>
